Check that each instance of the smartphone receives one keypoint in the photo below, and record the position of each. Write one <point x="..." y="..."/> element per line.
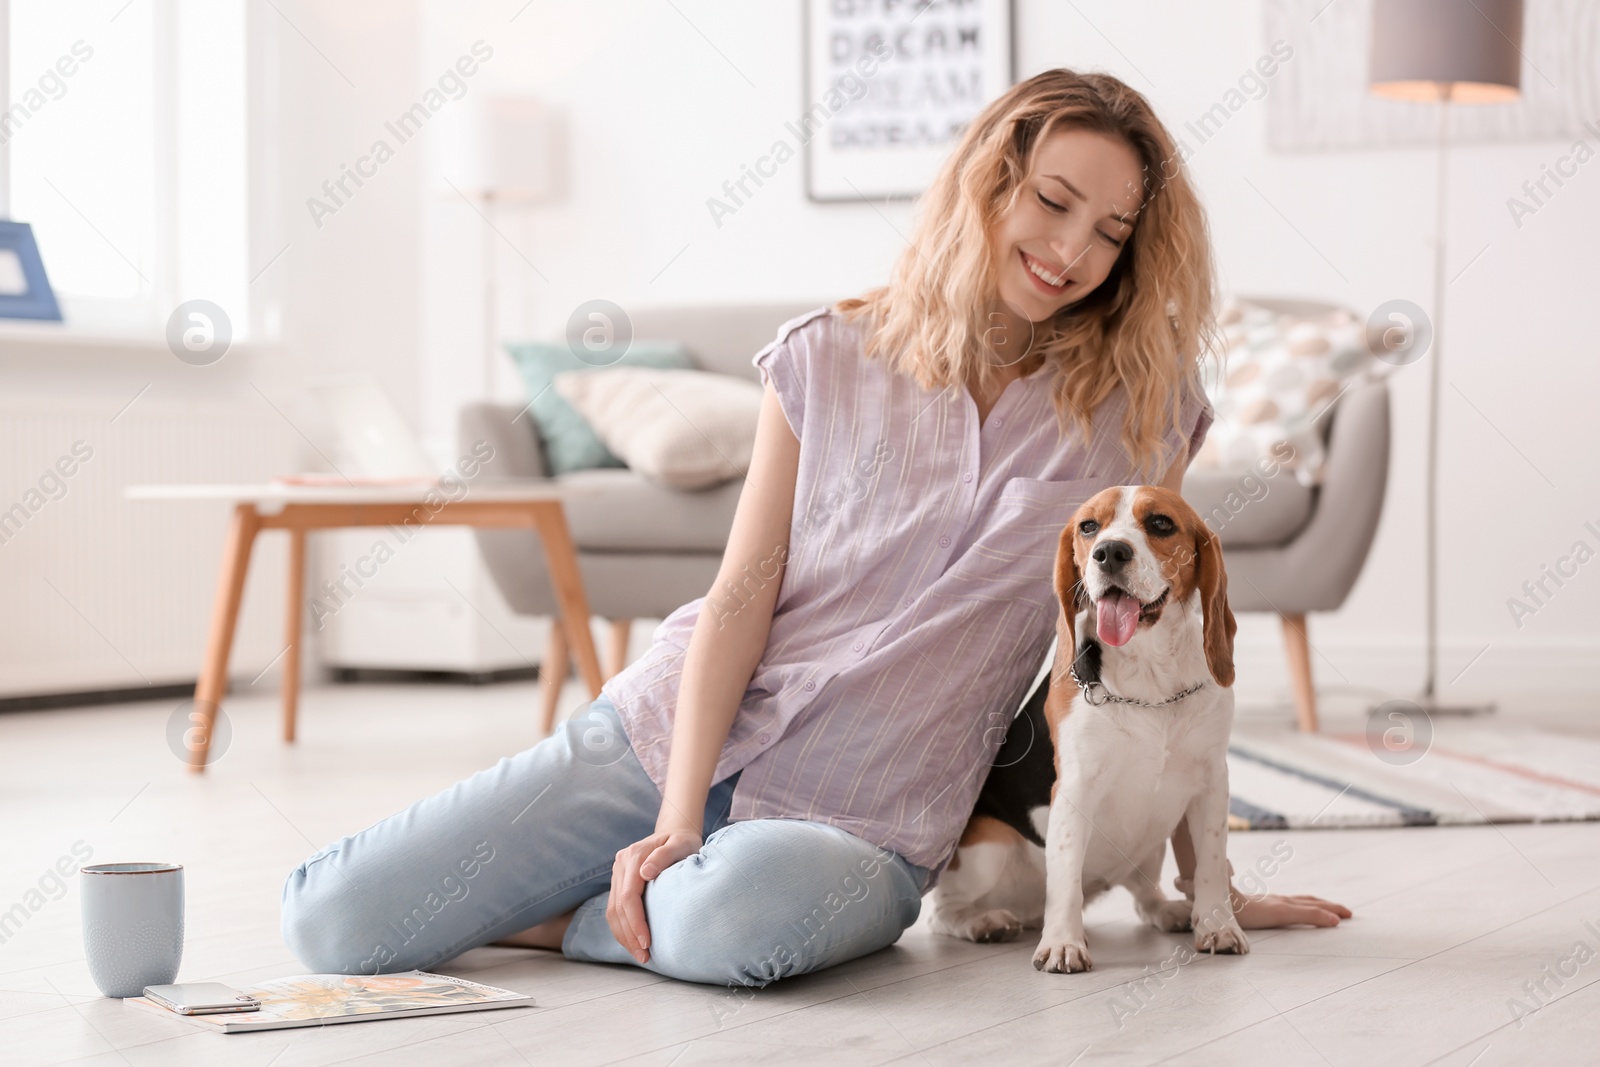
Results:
<point x="201" y="998"/>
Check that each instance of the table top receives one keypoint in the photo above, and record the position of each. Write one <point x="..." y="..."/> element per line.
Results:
<point x="511" y="491"/>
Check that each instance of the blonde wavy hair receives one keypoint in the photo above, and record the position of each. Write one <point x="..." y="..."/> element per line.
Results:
<point x="1147" y="325"/>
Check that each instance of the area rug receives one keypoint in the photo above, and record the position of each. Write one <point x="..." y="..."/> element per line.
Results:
<point x="1464" y="774"/>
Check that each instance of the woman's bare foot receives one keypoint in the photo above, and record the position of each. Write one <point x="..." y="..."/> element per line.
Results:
<point x="547" y="934"/>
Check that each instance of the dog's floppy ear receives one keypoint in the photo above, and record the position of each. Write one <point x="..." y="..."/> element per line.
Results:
<point x="1220" y="626"/>
<point x="1069" y="591"/>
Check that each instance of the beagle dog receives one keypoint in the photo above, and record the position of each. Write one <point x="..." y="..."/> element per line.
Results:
<point x="1128" y="737"/>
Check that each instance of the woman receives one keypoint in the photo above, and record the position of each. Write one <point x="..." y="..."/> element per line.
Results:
<point x="774" y="785"/>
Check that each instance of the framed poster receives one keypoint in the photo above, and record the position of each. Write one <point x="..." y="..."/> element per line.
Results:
<point x="889" y="87"/>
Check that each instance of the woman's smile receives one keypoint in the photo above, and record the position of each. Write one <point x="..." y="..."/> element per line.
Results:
<point x="1047" y="277"/>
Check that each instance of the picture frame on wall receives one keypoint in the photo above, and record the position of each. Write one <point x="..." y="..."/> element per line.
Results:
<point x="25" y="291"/>
<point x="889" y="88"/>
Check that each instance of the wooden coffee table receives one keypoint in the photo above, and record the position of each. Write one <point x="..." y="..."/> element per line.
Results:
<point x="299" y="509"/>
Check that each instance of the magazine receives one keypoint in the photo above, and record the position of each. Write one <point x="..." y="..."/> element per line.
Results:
<point x="321" y="999"/>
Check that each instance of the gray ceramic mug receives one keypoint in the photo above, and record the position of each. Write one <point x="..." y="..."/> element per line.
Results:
<point x="132" y="925"/>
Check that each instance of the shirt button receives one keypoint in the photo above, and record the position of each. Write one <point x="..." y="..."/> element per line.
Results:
<point x="857" y="646"/>
<point x="967" y="477"/>
<point x="998" y="422"/>
<point x="763" y="737"/>
<point x="811" y="685"/>
<point x="944" y="542"/>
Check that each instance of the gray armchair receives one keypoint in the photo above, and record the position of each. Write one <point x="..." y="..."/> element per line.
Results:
<point x="1292" y="550"/>
<point x="644" y="550"/>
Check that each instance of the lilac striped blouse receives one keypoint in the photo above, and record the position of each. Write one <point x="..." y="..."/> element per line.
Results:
<point x="917" y="604"/>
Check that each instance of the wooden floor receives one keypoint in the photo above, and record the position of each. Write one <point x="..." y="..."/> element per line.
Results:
<point x="1450" y="926"/>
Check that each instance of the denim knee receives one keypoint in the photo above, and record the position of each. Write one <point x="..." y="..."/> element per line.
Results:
<point x="320" y="920"/>
<point x="702" y="935"/>
<point x="720" y="921"/>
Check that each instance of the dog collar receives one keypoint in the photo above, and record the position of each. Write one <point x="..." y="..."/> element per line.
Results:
<point x="1107" y="696"/>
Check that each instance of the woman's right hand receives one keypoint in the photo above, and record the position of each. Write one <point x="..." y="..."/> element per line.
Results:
<point x="637" y="864"/>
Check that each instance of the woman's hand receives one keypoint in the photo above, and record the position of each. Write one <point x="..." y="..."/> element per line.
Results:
<point x="637" y="864"/>
<point x="1273" y="909"/>
<point x="1259" y="912"/>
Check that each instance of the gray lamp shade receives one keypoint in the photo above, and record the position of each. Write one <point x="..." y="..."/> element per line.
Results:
<point x="1447" y="49"/>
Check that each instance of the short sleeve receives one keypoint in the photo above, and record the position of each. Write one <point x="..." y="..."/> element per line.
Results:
<point x="1195" y="416"/>
<point x="783" y="364"/>
<point x="1199" y="413"/>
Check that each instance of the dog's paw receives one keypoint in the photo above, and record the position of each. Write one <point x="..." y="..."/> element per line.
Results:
<point x="1226" y="937"/>
<point x="1063" y="958"/>
<point x="1171" y="916"/>
<point x="992" y="926"/>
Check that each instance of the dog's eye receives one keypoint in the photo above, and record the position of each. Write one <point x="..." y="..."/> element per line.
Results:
<point x="1088" y="526"/>
<point x="1160" y="524"/>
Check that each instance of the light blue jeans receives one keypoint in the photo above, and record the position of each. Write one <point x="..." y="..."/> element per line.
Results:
<point x="536" y="835"/>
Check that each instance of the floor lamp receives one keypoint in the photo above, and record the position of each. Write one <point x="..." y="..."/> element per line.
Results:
<point x="1445" y="52"/>
<point x="507" y="154"/>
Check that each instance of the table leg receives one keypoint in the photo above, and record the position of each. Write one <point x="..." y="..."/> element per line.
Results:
<point x="213" y="681"/>
<point x="562" y="559"/>
<point x="552" y="676"/>
<point x="293" y="616"/>
<point x="617" y="654"/>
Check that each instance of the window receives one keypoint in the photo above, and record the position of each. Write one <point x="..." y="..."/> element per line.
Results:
<point x="122" y="141"/>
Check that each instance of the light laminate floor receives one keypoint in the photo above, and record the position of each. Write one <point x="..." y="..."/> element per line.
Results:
<point x="1450" y="924"/>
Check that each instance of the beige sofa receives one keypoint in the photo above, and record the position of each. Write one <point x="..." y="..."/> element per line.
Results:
<point x="645" y="550"/>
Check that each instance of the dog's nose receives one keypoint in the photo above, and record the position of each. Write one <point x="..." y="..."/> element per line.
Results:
<point x="1112" y="555"/>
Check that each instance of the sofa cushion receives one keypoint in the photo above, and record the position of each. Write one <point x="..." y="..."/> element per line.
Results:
<point x="1250" y="507"/>
<point x="1247" y="508"/>
<point x="568" y="441"/>
<point x="623" y="512"/>
<point x="684" y="429"/>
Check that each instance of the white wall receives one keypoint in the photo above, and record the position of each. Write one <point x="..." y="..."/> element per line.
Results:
<point x="666" y="101"/>
<point x="344" y="293"/>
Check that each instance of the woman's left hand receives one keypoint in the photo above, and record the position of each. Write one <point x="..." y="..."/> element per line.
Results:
<point x="1273" y="909"/>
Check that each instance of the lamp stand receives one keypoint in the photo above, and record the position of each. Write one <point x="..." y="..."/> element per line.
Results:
<point x="1429" y="700"/>
<point x="488" y="296"/>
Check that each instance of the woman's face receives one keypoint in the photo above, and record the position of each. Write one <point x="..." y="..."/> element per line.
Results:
<point x="1069" y="223"/>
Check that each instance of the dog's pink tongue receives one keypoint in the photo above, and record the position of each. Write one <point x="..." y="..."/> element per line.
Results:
<point x="1116" y="618"/>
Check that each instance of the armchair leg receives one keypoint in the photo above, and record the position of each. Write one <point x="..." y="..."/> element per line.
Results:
<point x="552" y="675"/>
<point x="1299" y="649"/>
<point x="617" y="650"/>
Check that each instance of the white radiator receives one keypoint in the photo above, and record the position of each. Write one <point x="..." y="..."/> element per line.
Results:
<point x="105" y="593"/>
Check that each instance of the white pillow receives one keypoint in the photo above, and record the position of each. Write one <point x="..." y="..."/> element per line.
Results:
<point x="686" y="429"/>
<point x="1283" y="371"/>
